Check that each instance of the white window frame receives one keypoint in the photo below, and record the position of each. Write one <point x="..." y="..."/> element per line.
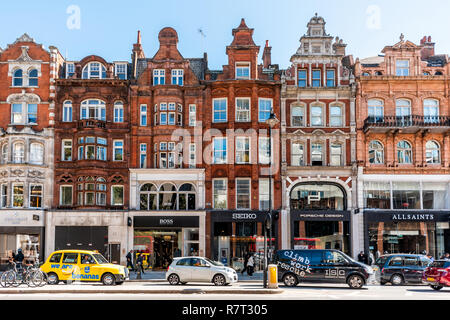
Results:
<point x="402" y="71"/>
<point x="13" y="194"/>
<point x="239" y="111"/>
<point x="243" y="151"/>
<point x="118" y="147"/>
<point x="192" y="155"/>
<point x="240" y="66"/>
<point x="177" y="75"/>
<point x="118" y="112"/>
<point x="341" y="116"/>
<point x="33" y="159"/>
<point x="192" y="115"/>
<point x="225" y="184"/>
<point x="124" y="71"/>
<point x="72" y="71"/>
<point x="341" y="154"/>
<point x="61" y="194"/>
<point x="112" y="195"/>
<point x="66" y="147"/>
<point x="303" y="157"/>
<point x="223" y="159"/>
<point x="24" y="113"/>
<point x="249" y="193"/>
<point x="18" y="157"/>
<point x="159" y="74"/>
<point x="30" y="195"/>
<point x="322" y="116"/>
<point x="67" y="111"/>
<point x="99" y="109"/>
<point x="264" y="158"/>
<point x="265" y="111"/>
<point x="143" y="115"/>
<point x="87" y="71"/>
<point x="225" y="111"/>
<point x="301" y="107"/>
<point x="143" y="155"/>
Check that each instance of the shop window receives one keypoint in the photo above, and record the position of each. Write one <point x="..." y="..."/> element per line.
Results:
<point x="245" y="229"/>
<point x="186" y="197"/>
<point x="434" y="195"/>
<point x="406" y="195"/>
<point x="377" y="195"/>
<point x="317" y="197"/>
<point x="148" y="196"/>
<point x="167" y="197"/>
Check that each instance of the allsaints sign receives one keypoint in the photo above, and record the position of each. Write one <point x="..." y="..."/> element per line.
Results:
<point x="407" y="216"/>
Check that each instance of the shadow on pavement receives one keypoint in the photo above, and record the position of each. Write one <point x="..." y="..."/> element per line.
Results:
<point x="427" y="290"/>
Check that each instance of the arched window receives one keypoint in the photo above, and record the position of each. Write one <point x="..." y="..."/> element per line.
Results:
<point x="433" y="152"/>
<point x="376" y="152"/>
<point x="297" y="116"/>
<point x="402" y="108"/>
<point x="19" y="152"/>
<point x="431" y="110"/>
<point x="36" y="153"/>
<point x="186" y="197"/>
<point x="5" y="153"/>
<point x="94" y="70"/>
<point x="404" y="152"/>
<point x="33" y="78"/>
<point x="318" y="196"/>
<point x="375" y="110"/>
<point x="93" y="109"/>
<point x="118" y="111"/>
<point x="378" y="73"/>
<point x="18" y="78"/>
<point x="67" y="111"/>
<point x="100" y="189"/>
<point x="167" y="197"/>
<point x="366" y="74"/>
<point x="148" y="197"/>
<point x="438" y="73"/>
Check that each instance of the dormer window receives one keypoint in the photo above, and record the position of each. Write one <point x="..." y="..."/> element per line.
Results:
<point x="177" y="77"/>
<point x="402" y="68"/>
<point x="159" y="77"/>
<point x="70" y="70"/>
<point x="243" y="70"/>
<point x="94" y="70"/>
<point x="121" y="71"/>
<point x="33" y="78"/>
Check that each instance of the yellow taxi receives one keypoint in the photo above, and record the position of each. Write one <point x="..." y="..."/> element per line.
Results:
<point x="82" y="265"/>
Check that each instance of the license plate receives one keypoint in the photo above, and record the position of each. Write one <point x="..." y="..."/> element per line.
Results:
<point x="430" y="279"/>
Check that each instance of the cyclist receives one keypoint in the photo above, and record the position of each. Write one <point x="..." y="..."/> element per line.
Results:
<point x="19" y="258"/>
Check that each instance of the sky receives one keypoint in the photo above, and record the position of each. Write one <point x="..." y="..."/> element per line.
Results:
<point x="108" y="28"/>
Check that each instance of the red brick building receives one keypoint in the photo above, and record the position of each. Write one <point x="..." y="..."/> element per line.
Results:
<point x="239" y="99"/>
<point x="403" y="121"/>
<point x="92" y="149"/>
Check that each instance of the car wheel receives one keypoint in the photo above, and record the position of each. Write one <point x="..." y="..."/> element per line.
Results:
<point x="290" y="280"/>
<point x="108" y="279"/>
<point x="52" y="278"/>
<point x="173" y="279"/>
<point x="355" y="281"/>
<point x="397" y="279"/>
<point x="219" y="280"/>
<point x="437" y="288"/>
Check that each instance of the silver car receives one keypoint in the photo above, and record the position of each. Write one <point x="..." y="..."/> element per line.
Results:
<point x="199" y="269"/>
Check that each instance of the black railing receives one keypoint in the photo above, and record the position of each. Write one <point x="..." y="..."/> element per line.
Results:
<point x="91" y="123"/>
<point x="406" y="121"/>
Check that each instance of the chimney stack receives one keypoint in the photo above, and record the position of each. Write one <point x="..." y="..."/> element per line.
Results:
<point x="267" y="59"/>
<point x="427" y="48"/>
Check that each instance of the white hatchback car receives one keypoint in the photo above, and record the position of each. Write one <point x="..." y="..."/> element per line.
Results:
<point x="199" y="269"/>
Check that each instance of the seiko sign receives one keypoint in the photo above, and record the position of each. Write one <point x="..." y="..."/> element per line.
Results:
<point x="166" y="222"/>
<point x="407" y="216"/>
<point x="244" y="216"/>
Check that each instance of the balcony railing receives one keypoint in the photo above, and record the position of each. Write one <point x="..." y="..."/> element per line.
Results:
<point x="91" y="123"/>
<point x="406" y="121"/>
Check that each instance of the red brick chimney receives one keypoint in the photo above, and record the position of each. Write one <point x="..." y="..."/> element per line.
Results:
<point x="427" y="48"/>
<point x="267" y="58"/>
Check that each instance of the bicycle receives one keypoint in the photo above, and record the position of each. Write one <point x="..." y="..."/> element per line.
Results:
<point x="32" y="276"/>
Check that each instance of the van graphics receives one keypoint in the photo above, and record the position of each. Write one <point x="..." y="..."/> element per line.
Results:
<point x="298" y="264"/>
<point x="86" y="276"/>
<point x="335" y="273"/>
<point x="87" y="269"/>
<point x="64" y="266"/>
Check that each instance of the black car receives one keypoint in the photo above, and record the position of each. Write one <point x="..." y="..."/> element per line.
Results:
<point x="324" y="266"/>
<point x="400" y="269"/>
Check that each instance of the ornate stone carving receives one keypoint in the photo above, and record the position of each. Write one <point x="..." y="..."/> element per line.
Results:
<point x="17" y="173"/>
<point x="24" y="38"/>
<point x="35" y="174"/>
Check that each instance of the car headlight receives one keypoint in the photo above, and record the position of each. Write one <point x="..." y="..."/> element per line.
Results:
<point x="369" y="270"/>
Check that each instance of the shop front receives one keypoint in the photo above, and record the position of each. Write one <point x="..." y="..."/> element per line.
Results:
<point x="160" y="238"/>
<point x="21" y="230"/>
<point x="237" y="233"/>
<point x="319" y="219"/>
<point x="407" y="231"/>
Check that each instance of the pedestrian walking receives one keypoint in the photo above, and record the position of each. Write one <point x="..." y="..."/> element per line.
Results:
<point x="250" y="265"/>
<point x="245" y="263"/>
<point x="371" y="258"/>
<point x="130" y="260"/>
<point x="140" y="263"/>
<point x="361" y="257"/>
<point x="447" y="256"/>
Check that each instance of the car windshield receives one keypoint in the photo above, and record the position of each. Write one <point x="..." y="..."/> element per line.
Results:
<point x="347" y="257"/>
<point x="214" y="263"/>
<point x="100" y="259"/>
<point x="381" y="261"/>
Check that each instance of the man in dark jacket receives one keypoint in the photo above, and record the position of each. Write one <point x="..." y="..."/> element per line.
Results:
<point x="245" y="262"/>
<point x="130" y="260"/>
<point x="361" y="257"/>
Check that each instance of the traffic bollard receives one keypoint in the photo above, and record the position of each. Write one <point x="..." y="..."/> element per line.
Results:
<point x="273" y="276"/>
<point x="138" y="276"/>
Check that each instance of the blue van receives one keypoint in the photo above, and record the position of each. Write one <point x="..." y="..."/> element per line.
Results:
<point x="320" y="266"/>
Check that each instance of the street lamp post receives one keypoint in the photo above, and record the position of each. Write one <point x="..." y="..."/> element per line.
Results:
<point x="272" y="122"/>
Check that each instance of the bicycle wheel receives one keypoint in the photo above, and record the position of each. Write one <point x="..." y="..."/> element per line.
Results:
<point x="11" y="279"/>
<point x="37" y="278"/>
<point x="3" y="280"/>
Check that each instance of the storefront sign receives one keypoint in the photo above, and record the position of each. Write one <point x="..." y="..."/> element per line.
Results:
<point x="244" y="216"/>
<point x="167" y="221"/>
<point x="32" y="219"/>
<point x="241" y="216"/>
<point x="320" y="215"/>
<point x="413" y="215"/>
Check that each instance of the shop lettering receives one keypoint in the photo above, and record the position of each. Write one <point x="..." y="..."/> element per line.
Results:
<point x="413" y="217"/>
<point x="165" y="221"/>
<point x="244" y="216"/>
